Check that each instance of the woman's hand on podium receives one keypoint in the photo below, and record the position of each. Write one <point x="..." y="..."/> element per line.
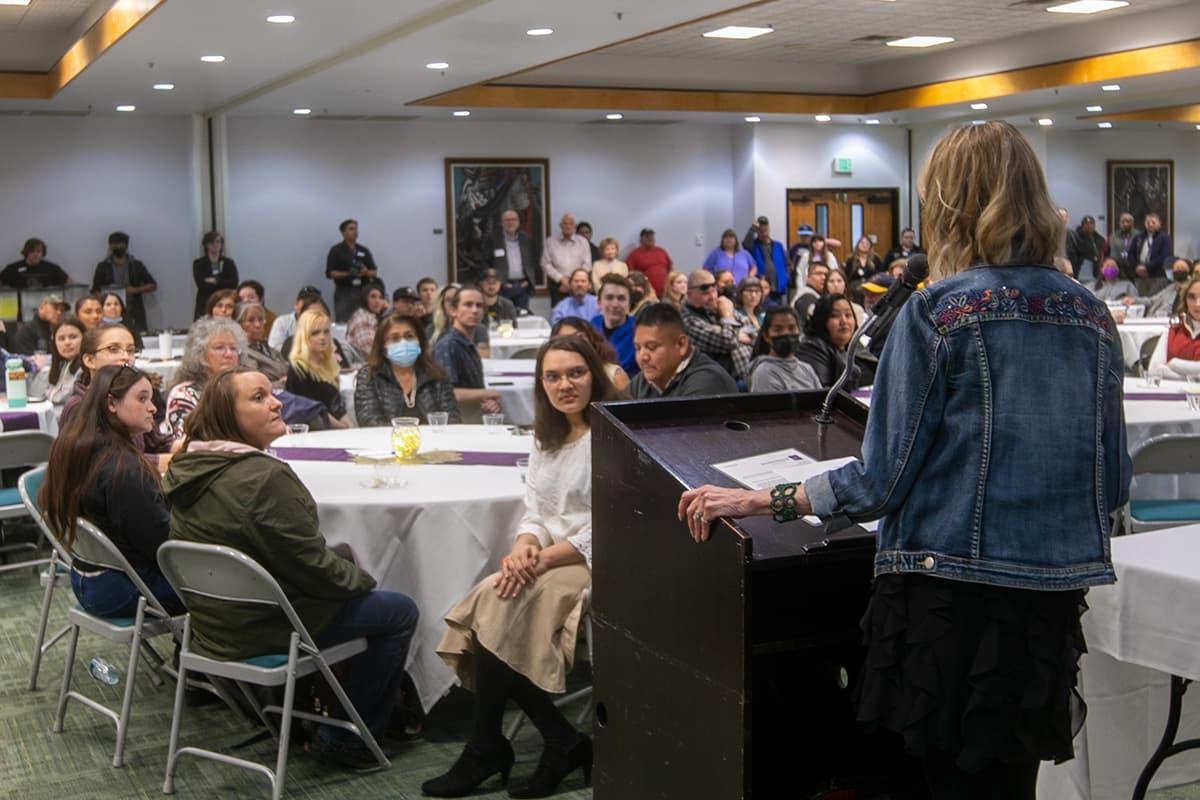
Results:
<point x="700" y="506"/>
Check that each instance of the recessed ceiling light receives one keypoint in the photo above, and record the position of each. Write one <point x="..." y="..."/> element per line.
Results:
<point x="462" y="113"/>
<point x="1104" y="125"/>
<point x="753" y="119"/>
<point x="212" y="59"/>
<point x="614" y="116"/>
<point x="437" y="65"/>
<point x="978" y="106"/>
<point x="539" y="31"/>
<point x="126" y="108"/>
<point x="301" y="112"/>
<point x="737" y="32"/>
<point x="979" y="122"/>
<point x="870" y="122"/>
<point x="1198" y="127"/>
<point x="822" y="118"/>
<point x="1095" y="109"/>
<point x="281" y="19"/>
<point x="14" y="2"/>
<point x="1087" y="6"/>
<point x="920" y="41"/>
<point x="1045" y="122"/>
<point x="163" y="87"/>
<point x="1111" y="87"/>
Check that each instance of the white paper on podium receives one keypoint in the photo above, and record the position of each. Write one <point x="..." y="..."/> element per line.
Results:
<point x="766" y="470"/>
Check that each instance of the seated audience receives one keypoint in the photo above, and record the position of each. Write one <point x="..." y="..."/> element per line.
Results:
<point x="862" y="264"/>
<point x="1084" y="246"/>
<point x="427" y="288"/>
<point x="826" y="337"/>
<point x="580" y="302"/>
<point x="221" y="304"/>
<point x="1111" y="286"/>
<point x="577" y="326"/>
<point x="608" y="263"/>
<point x="401" y="379"/>
<point x="285" y="324"/>
<point x="614" y="320"/>
<point x="343" y="356"/>
<point x="712" y="326"/>
<point x="748" y="305"/>
<point x="37" y="335"/>
<point x="1162" y="303"/>
<point x="812" y="291"/>
<point x="212" y="272"/>
<point x="835" y="283"/>
<point x="457" y="355"/>
<point x="1177" y="355"/>
<point x="58" y="382"/>
<point x="496" y="307"/>
<point x="406" y="302"/>
<point x="258" y="354"/>
<point x="819" y="253"/>
<point x="774" y="367"/>
<point x="514" y="635"/>
<point x="96" y="472"/>
<point x="443" y="320"/>
<point x="360" y="330"/>
<point x="223" y="489"/>
<point x="213" y="344"/>
<point x="726" y="285"/>
<point x="669" y="364"/>
<point x="643" y="293"/>
<point x="675" y="292"/>
<point x="33" y="271"/>
<point x="730" y="255"/>
<point x="254" y="292"/>
<point x="89" y="311"/>
<point x="313" y="366"/>
<point x="876" y="287"/>
<point x="113" y="313"/>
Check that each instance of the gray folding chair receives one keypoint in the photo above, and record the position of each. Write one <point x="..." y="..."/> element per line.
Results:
<point x="1145" y="354"/>
<point x="57" y="573"/>
<point x="226" y="575"/>
<point x="579" y="694"/>
<point x="21" y="449"/>
<point x="526" y="352"/>
<point x="150" y="620"/>
<point x="1174" y="454"/>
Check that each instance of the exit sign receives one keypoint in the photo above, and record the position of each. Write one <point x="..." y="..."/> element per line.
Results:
<point x="842" y="166"/>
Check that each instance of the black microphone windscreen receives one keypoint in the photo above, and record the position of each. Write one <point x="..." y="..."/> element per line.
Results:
<point x="916" y="269"/>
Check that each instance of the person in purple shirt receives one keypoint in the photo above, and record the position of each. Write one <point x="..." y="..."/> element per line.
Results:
<point x="580" y="302"/>
<point x="730" y="255"/>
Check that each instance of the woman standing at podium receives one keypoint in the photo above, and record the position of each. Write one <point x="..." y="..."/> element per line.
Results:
<point x="994" y="454"/>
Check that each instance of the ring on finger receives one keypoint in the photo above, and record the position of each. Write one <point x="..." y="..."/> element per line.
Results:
<point x="699" y="515"/>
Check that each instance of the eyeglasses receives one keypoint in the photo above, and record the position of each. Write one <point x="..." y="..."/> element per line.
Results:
<point x="574" y="375"/>
<point x="707" y="287"/>
<point x="224" y="349"/>
<point x="117" y="350"/>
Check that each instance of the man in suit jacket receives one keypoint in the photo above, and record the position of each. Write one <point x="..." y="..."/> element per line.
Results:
<point x="513" y="257"/>
<point x="1151" y="252"/>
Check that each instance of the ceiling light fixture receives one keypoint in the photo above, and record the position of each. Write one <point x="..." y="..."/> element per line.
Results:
<point x="301" y="112"/>
<point x="753" y="119"/>
<point x="163" y="87"/>
<point x="1087" y="6"/>
<point x="437" y="65"/>
<point x="1104" y="125"/>
<point x="126" y="108"/>
<point x="614" y="117"/>
<point x="281" y="19"/>
<point x="979" y="122"/>
<point x="1198" y="127"/>
<point x="462" y="113"/>
<point x="870" y="122"/>
<point x="738" y="32"/>
<point x="1045" y="122"/>
<point x="822" y="118"/>
<point x="1095" y="109"/>
<point x="920" y="41"/>
<point x="979" y="106"/>
<point x="539" y="31"/>
<point x="212" y="59"/>
<point x="14" y="2"/>
<point x="1111" y="87"/>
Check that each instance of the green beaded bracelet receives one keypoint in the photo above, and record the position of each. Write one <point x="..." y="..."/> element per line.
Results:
<point x="783" y="502"/>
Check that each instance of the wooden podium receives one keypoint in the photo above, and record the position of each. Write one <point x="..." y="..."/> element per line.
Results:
<point x="724" y="670"/>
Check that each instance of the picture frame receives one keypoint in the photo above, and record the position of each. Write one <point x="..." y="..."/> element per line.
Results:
<point x="478" y="191"/>
<point x="1141" y="187"/>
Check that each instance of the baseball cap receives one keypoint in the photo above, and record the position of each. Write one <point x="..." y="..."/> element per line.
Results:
<point x="405" y="293"/>
<point x="879" y="283"/>
<point x="804" y="230"/>
<point x="53" y="300"/>
<point x="646" y="232"/>
<point x="764" y="221"/>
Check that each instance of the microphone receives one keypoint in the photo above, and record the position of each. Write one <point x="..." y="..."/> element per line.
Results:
<point x="877" y="325"/>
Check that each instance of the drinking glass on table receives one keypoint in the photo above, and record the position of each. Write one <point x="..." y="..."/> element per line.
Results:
<point x="494" y="423"/>
<point x="523" y="468"/>
<point x="438" y="419"/>
<point x="297" y="428"/>
<point x="406" y="436"/>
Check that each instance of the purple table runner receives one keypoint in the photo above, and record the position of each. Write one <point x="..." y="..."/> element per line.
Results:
<point x="470" y="458"/>
<point x="19" y="420"/>
<point x="1155" y="396"/>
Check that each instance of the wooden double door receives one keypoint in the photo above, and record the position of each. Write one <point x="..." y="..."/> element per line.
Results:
<point x="846" y="215"/>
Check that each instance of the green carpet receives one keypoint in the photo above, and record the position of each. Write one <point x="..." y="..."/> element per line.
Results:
<point x="38" y="764"/>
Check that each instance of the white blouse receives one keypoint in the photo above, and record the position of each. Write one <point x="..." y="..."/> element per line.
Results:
<point x="558" y="496"/>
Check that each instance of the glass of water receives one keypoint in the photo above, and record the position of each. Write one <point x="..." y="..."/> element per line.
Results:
<point x="523" y="468"/>
<point x="494" y="423"/>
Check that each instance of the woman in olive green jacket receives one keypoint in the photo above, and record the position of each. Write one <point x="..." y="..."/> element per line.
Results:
<point x="225" y="489"/>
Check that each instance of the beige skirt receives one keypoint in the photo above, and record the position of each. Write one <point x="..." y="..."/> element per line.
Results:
<point x="534" y="632"/>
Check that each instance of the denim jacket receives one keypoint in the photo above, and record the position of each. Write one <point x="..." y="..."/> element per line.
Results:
<point x="995" y="448"/>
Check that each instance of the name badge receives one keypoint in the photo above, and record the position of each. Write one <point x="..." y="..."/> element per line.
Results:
<point x="498" y="252"/>
<point x="356" y="282"/>
<point x="361" y="254"/>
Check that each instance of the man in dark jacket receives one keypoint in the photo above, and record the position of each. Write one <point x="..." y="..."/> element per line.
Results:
<point x="770" y="256"/>
<point x="669" y="365"/>
<point x="33" y="271"/>
<point x="38" y="334"/>
<point x="122" y="271"/>
<point x="1151" y="252"/>
<point x="907" y="247"/>
<point x="1120" y="245"/>
<point x="1085" y="250"/>
<point x="513" y="256"/>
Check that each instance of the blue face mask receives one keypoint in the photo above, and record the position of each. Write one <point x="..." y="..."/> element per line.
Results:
<point x="111" y="320"/>
<point x="404" y="353"/>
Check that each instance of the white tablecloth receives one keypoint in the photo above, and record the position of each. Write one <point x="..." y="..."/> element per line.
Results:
<point x="1136" y="332"/>
<point x="47" y="414"/>
<point x="432" y="539"/>
<point x="1139" y="631"/>
<point x="519" y="339"/>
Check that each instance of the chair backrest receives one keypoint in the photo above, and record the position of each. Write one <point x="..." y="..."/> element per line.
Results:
<point x="1147" y="352"/>
<point x="526" y="352"/>
<point x="221" y="573"/>
<point x="93" y="546"/>
<point x="1170" y="454"/>
<point x="24" y="448"/>
<point x="30" y="486"/>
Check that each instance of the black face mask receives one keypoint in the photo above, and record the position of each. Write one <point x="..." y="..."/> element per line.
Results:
<point x="119" y="252"/>
<point x="785" y="345"/>
<point x="726" y="291"/>
<point x="1182" y="277"/>
<point x="635" y="298"/>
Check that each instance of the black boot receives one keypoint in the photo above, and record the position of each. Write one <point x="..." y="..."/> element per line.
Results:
<point x="472" y="768"/>
<point x="554" y="765"/>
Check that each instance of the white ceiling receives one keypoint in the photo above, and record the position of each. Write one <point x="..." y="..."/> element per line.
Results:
<point x="34" y="37"/>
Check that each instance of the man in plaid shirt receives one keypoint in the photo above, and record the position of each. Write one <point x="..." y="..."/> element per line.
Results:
<point x="712" y="326"/>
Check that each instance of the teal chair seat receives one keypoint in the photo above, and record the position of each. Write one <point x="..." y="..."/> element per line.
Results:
<point x="10" y="497"/>
<point x="1165" y="510"/>
<point x="120" y="622"/>
<point x="267" y="662"/>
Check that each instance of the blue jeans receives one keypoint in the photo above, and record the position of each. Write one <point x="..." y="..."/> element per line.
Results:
<point x="111" y="594"/>
<point x="388" y="621"/>
<point x="518" y="294"/>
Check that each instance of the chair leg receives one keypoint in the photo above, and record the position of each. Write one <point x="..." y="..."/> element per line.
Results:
<point x="154" y="661"/>
<point x="364" y="732"/>
<point x="135" y="647"/>
<point x="285" y="724"/>
<point x="177" y="713"/>
<point x="68" y="667"/>
<point x="40" y="639"/>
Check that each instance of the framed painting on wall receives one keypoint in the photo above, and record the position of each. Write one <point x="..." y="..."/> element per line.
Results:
<point x="478" y="191"/>
<point x="1141" y="188"/>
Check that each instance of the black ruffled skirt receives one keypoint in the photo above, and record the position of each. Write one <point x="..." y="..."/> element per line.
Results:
<point x="979" y="672"/>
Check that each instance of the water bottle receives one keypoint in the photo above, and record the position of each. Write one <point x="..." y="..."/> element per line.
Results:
<point x="103" y="671"/>
<point x="15" y="383"/>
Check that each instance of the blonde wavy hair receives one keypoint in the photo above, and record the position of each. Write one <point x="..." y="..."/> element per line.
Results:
<point x="323" y="367"/>
<point x="669" y="295"/>
<point x="984" y="201"/>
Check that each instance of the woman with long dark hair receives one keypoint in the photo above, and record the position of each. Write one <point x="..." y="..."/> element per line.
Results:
<point x="826" y="342"/>
<point x="221" y="304"/>
<point x="401" y="379"/>
<point x="112" y="309"/>
<point x="65" y="362"/>
<point x="988" y="537"/>
<point x="96" y="472"/>
<point x="514" y="635"/>
<point x="360" y="330"/>
<point x="774" y="366"/>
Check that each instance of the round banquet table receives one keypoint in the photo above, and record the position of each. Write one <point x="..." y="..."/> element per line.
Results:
<point x="507" y="346"/>
<point x="40" y="416"/>
<point x="435" y="536"/>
